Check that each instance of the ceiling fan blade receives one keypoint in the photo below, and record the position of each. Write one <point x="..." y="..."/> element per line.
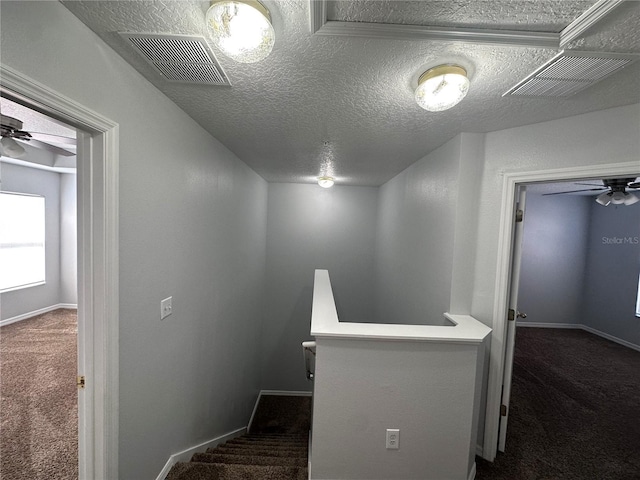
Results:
<point x="575" y="191"/>
<point x="46" y="146"/>
<point x="634" y="185"/>
<point x="49" y="138"/>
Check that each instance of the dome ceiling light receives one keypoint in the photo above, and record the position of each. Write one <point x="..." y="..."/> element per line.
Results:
<point x="326" y="182"/>
<point x="241" y="29"/>
<point x="442" y="87"/>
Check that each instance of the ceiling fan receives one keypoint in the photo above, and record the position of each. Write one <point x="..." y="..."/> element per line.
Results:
<point x="13" y="135"/>
<point x="616" y="191"/>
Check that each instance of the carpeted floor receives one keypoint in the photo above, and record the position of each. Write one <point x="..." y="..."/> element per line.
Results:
<point x="575" y="410"/>
<point x="38" y="404"/>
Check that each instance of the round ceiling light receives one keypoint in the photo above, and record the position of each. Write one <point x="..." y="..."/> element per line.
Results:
<point x="442" y="87"/>
<point x="241" y="29"/>
<point x="326" y="182"/>
<point x="11" y="148"/>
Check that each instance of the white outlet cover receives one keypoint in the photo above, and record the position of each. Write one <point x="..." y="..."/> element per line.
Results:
<point x="166" y="307"/>
<point x="393" y="438"/>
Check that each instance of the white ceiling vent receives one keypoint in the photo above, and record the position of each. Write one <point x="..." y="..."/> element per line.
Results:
<point x="179" y="58"/>
<point x="569" y="72"/>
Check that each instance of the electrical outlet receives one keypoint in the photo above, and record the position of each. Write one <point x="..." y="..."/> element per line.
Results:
<point x="393" y="438"/>
<point x="166" y="307"/>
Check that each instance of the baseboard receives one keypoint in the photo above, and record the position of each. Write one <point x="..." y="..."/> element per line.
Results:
<point x="186" y="455"/>
<point x="40" y="311"/>
<point x="472" y="473"/>
<point x="585" y="328"/>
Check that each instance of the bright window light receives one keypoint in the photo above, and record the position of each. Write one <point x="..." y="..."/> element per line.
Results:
<point x="22" y="257"/>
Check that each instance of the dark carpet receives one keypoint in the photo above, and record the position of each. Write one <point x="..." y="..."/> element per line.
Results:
<point x="276" y="447"/>
<point x="575" y="410"/>
<point x="38" y="402"/>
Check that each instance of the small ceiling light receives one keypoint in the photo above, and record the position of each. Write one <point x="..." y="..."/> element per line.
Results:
<point x="11" y="148"/>
<point x="326" y="182"/>
<point x="241" y="29"/>
<point x="604" y="199"/>
<point x="442" y="87"/>
<point x="618" y="197"/>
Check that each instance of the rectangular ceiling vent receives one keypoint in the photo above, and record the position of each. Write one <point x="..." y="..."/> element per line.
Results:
<point x="570" y="72"/>
<point x="179" y="58"/>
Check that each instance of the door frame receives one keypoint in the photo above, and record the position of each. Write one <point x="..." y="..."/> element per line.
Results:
<point x="511" y="181"/>
<point x="97" y="180"/>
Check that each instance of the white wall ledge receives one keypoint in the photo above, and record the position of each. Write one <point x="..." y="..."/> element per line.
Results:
<point x="325" y="323"/>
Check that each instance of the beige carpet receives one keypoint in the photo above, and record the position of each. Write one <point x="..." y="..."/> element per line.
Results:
<point x="38" y="405"/>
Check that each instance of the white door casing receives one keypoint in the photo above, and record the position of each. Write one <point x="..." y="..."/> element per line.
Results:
<point x="511" y="324"/>
<point x="97" y="179"/>
<point x="503" y="274"/>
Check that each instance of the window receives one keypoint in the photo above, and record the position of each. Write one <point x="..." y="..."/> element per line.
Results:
<point x="21" y="241"/>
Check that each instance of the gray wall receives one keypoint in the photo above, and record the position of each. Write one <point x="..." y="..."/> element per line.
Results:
<point x="16" y="178"/>
<point x="414" y="241"/>
<point x="309" y="227"/>
<point x="613" y="266"/>
<point x="68" y="239"/>
<point x="191" y="225"/>
<point x="554" y="250"/>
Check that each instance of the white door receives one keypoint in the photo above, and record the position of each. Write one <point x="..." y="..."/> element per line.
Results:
<point x="513" y="315"/>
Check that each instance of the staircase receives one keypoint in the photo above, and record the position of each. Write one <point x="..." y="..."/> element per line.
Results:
<point x="275" y="448"/>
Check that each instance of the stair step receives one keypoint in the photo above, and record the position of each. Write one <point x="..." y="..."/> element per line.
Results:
<point x="217" y="471"/>
<point x="268" y="443"/>
<point x="266" y="452"/>
<point x="249" y="459"/>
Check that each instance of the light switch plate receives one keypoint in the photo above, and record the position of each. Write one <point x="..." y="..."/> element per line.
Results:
<point x="166" y="307"/>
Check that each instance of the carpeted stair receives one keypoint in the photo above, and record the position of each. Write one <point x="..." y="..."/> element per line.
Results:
<point x="276" y="447"/>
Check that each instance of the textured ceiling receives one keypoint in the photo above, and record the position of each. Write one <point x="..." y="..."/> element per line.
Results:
<point x="344" y="105"/>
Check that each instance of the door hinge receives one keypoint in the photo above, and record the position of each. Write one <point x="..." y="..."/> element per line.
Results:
<point x="503" y="410"/>
<point x="519" y="216"/>
<point x="512" y="314"/>
<point x="80" y="381"/>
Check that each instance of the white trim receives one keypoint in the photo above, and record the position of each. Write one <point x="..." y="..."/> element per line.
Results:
<point x="472" y="472"/>
<point x="24" y="316"/>
<point x="97" y="270"/>
<point x="185" y="455"/>
<point x="586" y="328"/>
<point x="588" y="19"/>
<point x="286" y="393"/>
<point x="503" y="274"/>
<point x="485" y="36"/>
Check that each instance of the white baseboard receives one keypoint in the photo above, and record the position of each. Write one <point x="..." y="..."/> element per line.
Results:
<point x="472" y="473"/>
<point x="40" y="311"/>
<point x="582" y="327"/>
<point x="185" y="455"/>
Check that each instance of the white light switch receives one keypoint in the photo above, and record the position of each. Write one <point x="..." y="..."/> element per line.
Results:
<point x="166" y="307"/>
<point x="393" y="438"/>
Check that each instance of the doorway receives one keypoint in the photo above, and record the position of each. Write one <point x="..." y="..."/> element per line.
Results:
<point x="39" y="295"/>
<point x="97" y="267"/>
<point x="498" y="347"/>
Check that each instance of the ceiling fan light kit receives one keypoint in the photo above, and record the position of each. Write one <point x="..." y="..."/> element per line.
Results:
<point x="11" y="148"/>
<point x="241" y="29"/>
<point x="442" y="87"/>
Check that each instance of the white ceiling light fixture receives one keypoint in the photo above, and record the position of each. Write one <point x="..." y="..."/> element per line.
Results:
<point x="442" y="87"/>
<point x="241" y="29"/>
<point x="11" y="148"/>
<point x="326" y="182"/>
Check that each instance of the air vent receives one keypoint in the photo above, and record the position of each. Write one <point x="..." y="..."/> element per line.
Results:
<point x="570" y="72"/>
<point x="179" y="58"/>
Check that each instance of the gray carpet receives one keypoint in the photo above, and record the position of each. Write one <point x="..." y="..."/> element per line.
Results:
<point x="575" y="410"/>
<point x="276" y="447"/>
<point x="38" y="403"/>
